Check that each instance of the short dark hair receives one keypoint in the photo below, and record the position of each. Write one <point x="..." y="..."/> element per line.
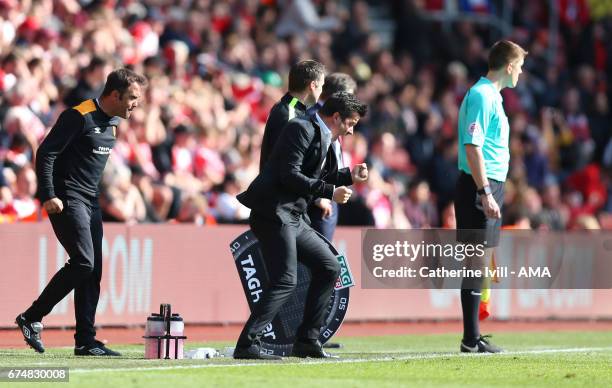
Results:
<point x="345" y="104"/>
<point x="303" y="73"/>
<point x="337" y="82"/>
<point x="95" y="63"/>
<point x="121" y="79"/>
<point x="504" y="52"/>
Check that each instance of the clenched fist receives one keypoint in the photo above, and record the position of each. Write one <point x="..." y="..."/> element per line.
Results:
<point x="342" y="194"/>
<point x="360" y="173"/>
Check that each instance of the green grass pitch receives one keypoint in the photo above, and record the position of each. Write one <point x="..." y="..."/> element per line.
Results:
<point x="538" y="359"/>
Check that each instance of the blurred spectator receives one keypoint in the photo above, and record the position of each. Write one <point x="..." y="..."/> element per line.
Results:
<point x="6" y="196"/>
<point x="419" y="206"/>
<point x="354" y="35"/>
<point x="586" y="222"/>
<point x="20" y="121"/>
<point x="554" y="213"/>
<point x="90" y="84"/>
<point x="412" y="31"/>
<point x="593" y="193"/>
<point x="194" y="209"/>
<point x="600" y="120"/>
<point x="299" y="16"/>
<point x="578" y="146"/>
<point x="228" y="209"/>
<point x="208" y="165"/>
<point x="23" y="206"/>
<point x="516" y="218"/>
<point x="388" y="158"/>
<point x="443" y="173"/>
<point x="448" y="216"/>
<point x="535" y="161"/>
<point x="120" y="200"/>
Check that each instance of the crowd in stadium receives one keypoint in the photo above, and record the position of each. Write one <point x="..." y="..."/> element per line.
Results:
<point x="215" y="69"/>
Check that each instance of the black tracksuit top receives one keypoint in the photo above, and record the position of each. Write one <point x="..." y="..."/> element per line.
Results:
<point x="286" y="109"/>
<point x="71" y="159"/>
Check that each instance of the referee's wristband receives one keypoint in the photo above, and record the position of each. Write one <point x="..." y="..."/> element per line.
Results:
<point x="486" y="190"/>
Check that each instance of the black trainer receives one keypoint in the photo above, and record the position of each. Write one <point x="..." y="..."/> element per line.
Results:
<point x="31" y="333"/>
<point x="310" y="349"/>
<point x="96" y="348"/>
<point x="482" y="345"/>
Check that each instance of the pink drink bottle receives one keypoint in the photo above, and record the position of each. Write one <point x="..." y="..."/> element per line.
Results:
<point x="155" y="348"/>
<point x="177" y="328"/>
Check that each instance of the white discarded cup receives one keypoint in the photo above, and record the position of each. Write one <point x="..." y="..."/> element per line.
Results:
<point x="227" y="351"/>
<point x="201" y="353"/>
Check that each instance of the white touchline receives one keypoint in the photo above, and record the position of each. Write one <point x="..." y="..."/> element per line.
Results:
<point x="423" y="356"/>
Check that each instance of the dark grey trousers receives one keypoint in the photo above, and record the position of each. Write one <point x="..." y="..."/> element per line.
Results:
<point x="283" y="242"/>
<point x="79" y="229"/>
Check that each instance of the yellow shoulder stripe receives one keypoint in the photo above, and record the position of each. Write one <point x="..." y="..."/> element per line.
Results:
<point x="85" y="107"/>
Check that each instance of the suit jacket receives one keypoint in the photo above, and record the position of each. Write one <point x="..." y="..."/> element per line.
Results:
<point x="286" y="109"/>
<point x="295" y="174"/>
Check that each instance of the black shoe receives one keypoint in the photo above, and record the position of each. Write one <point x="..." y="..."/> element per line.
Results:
<point x="253" y="352"/>
<point x="310" y="349"/>
<point x="482" y="345"/>
<point x="31" y="333"/>
<point x="96" y="348"/>
<point x="332" y="345"/>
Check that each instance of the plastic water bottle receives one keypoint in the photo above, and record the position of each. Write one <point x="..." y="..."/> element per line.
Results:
<point x="155" y="348"/>
<point x="156" y="326"/>
<point x="177" y="328"/>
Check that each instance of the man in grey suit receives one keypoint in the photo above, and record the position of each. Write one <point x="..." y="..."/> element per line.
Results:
<point x="302" y="167"/>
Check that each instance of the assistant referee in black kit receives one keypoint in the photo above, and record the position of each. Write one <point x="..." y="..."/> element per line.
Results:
<point x="69" y="165"/>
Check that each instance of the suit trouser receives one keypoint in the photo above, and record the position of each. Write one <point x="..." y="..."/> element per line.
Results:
<point x="325" y="226"/>
<point x="79" y="229"/>
<point x="282" y="244"/>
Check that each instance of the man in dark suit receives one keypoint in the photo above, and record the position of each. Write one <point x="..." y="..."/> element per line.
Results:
<point x="323" y="212"/>
<point x="305" y="84"/>
<point x="302" y="167"/>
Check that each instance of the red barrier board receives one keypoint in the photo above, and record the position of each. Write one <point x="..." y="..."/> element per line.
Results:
<point x="192" y="268"/>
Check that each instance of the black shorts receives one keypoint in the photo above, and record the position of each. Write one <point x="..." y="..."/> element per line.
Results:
<point x="473" y="226"/>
